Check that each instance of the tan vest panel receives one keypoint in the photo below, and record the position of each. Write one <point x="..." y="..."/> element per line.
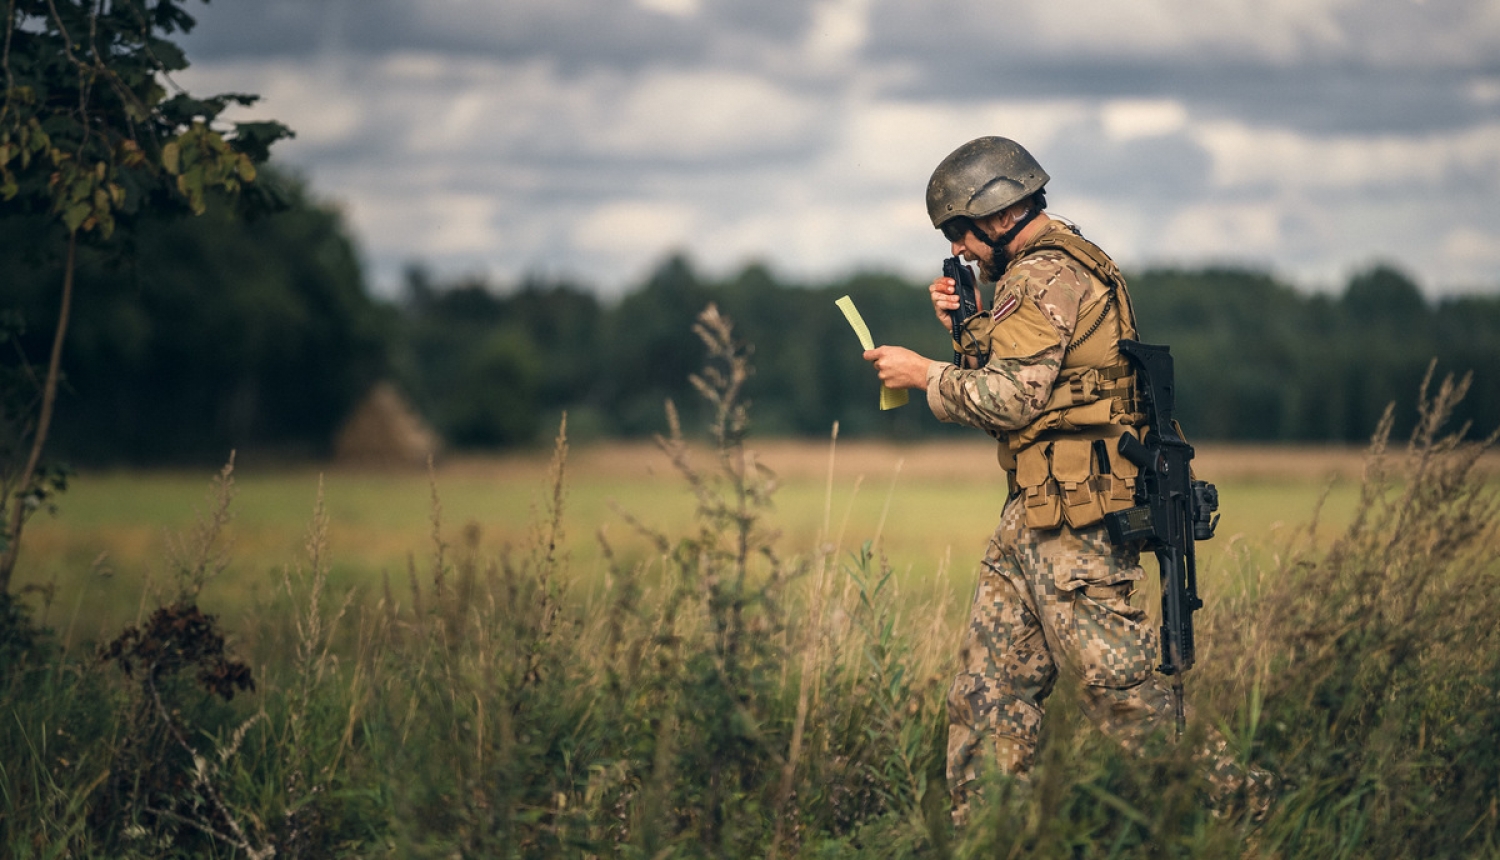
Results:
<point x="1065" y="463"/>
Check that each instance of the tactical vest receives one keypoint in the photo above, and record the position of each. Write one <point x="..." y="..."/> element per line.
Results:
<point x="1065" y="464"/>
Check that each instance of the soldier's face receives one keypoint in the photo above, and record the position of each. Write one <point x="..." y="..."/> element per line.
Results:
<point x="969" y="246"/>
<point x="976" y="250"/>
<point x="972" y="249"/>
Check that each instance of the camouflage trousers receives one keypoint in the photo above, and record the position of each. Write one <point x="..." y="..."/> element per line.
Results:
<point x="1057" y="604"/>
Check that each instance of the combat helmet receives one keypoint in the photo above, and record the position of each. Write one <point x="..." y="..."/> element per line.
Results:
<point x="982" y="177"/>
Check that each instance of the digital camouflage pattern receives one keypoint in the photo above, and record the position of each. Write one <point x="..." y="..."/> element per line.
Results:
<point x="1056" y="604"/>
<point x="1051" y="604"/>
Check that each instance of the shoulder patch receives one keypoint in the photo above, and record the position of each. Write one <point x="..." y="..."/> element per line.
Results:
<point x="1005" y="307"/>
<point x="1024" y="332"/>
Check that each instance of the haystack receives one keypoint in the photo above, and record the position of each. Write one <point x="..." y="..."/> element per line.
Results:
<point x="384" y="430"/>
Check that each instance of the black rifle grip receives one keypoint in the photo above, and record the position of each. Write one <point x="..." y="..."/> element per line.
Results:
<point x="1131" y="449"/>
<point x="968" y="301"/>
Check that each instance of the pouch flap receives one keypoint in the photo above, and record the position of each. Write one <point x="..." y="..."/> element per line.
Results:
<point x="1031" y="466"/>
<point x="1072" y="460"/>
<point x="1074" y="390"/>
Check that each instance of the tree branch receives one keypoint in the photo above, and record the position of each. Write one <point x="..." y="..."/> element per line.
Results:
<point x="44" y="421"/>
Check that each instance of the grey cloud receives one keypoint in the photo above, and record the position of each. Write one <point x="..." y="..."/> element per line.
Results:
<point x="1395" y="65"/>
<point x="581" y="34"/>
<point x="584" y="33"/>
<point x="775" y="20"/>
<point x="1411" y="34"/>
<point x="1152" y="169"/>
<point x="521" y="126"/>
<point x="1322" y="100"/>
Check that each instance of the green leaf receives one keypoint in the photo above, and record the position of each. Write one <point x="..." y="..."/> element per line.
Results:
<point x="168" y="54"/>
<point x="191" y="185"/>
<point x="35" y="138"/>
<point x="171" y="158"/>
<point x="255" y="138"/>
<point x="75" y="215"/>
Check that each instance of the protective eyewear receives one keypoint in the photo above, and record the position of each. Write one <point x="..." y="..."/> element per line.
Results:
<point x="956" y="229"/>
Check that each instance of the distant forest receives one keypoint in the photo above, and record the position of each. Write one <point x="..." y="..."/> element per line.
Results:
<point x="192" y="337"/>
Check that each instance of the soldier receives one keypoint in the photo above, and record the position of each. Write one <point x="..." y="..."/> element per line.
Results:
<point x="1043" y="375"/>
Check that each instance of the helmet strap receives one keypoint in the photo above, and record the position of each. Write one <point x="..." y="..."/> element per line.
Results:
<point x="1000" y="243"/>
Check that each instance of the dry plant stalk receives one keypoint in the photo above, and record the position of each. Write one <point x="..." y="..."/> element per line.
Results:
<point x="1393" y="621"/>
<point x="204" y="553"/>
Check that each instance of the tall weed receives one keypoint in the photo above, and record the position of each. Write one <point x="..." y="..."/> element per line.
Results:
<point x="1375" y="661"/>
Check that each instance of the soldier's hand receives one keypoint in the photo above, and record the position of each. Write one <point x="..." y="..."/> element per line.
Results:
<point x="944" y="295"/>
<point x="899" y="367"/>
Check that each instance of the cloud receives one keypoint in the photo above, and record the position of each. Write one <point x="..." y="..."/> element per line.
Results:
<point x="1228" y="230"/>
<point x="1473" y="254"/>
<point x="1132" y="119"/>
<point x="1268" y="30"/>
<point x="681" y="8"/>
<point x="1324" y="65"/>
<point x="1245" y="156"/>
<point x="1452" y="34"/>
<point x="838" y="31"/>
<point x="593" y="137"/>
<point x="635" y="230"/>
<point x="707" y="115"/>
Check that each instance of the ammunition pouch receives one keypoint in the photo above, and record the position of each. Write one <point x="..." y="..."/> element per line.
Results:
<point x="1038" y="489"/>
<point x="1075" y="479"/>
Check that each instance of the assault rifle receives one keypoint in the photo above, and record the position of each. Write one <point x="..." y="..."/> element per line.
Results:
<point x="1172" y="511"/>
<point x="968" y="301"/>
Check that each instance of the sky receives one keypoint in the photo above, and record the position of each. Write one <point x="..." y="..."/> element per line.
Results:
<point x="591" y="139"/>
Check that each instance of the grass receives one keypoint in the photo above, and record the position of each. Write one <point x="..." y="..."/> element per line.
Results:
<point x="742" y="665"/>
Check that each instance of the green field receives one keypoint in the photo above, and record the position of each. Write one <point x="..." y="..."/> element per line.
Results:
<point x="929" y="508"/>
<point x="460" y="664"/>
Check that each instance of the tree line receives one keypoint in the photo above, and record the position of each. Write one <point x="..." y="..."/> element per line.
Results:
<point x="1257" y="360"/>
<point x="196" y="336"/>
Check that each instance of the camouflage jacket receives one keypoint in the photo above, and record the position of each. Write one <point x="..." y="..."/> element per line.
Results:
<point x="1030" y="322"/>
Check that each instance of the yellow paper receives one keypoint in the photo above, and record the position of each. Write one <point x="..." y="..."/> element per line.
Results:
<point x="889" y="398"/>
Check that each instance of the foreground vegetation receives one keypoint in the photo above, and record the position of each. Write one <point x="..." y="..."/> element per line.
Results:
<point x="717" y="697"/>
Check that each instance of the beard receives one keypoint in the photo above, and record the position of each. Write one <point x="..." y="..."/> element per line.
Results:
<point x="995" y="267"/>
